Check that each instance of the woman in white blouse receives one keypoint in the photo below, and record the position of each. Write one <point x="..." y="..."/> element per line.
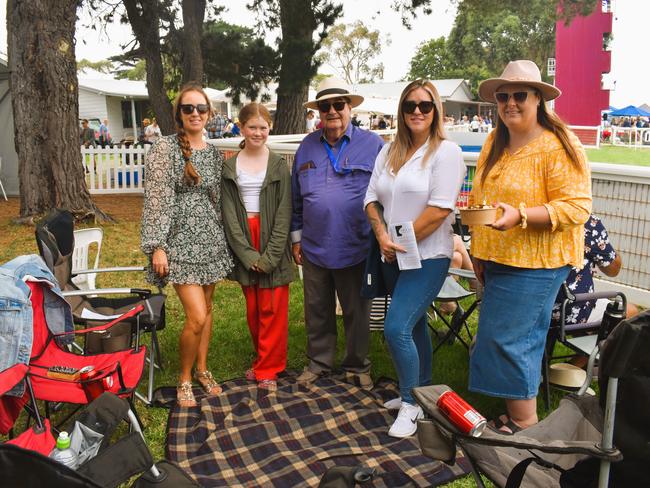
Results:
<point x="416" y="179"/>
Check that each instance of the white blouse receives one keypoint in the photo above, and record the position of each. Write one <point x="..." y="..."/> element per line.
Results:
<point x="435" y="182"/>
<point x="250" y="186"/>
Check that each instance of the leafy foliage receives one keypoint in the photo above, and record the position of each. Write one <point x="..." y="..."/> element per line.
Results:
<point x="350" y="49"/>
<point x="487" y="34"/>
<point x="234" y="57"/>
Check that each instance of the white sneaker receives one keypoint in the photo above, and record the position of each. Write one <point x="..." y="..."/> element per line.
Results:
<point x="393" y="404"/>
<point x="406" y="422"/>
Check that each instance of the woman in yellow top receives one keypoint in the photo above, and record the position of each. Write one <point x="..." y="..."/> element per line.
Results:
<point x="536" y="171"/>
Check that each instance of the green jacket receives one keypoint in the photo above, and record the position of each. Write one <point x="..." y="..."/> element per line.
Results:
<point x="275" y="216"/>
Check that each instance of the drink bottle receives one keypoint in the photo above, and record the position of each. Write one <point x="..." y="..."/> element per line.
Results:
<point x="62" y="452"/>
<point x="614" y="313"/>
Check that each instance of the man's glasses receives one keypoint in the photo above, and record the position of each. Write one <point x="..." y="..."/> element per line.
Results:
<point x="188" y="108"/>
<point x="325" y="106"/>
<point x="503" y="97"/>
<point x="409" y="106"/>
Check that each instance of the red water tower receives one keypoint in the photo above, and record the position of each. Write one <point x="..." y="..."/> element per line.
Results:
<point x="582" y="58"/>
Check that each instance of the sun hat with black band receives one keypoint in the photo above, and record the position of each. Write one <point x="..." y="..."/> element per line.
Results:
<point x="520" y="72"/>
<point x="333" y="87"/>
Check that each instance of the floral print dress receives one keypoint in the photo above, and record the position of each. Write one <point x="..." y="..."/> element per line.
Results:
<point x="185" y="221"/>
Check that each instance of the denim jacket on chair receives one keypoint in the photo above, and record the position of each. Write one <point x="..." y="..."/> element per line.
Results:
<point x="16" y="331"/>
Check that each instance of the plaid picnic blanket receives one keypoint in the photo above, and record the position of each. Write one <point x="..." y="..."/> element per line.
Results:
<point x="251" y="437"/>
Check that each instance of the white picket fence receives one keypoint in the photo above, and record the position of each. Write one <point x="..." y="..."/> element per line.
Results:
<point x="114" y="170"/>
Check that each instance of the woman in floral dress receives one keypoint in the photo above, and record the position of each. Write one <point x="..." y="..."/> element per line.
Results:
<point x="182" y="232"/>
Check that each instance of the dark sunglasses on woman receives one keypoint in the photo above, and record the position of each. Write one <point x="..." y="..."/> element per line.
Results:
<point x="409" y="106"/>
<point x="325" y="106"/>
<point x="503" y="97"/>
<point x="188" y="108"/>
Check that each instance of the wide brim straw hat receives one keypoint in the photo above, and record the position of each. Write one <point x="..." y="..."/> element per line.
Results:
<point x="521" y="72"/>
<point x="566" y="375"/>
<point x="333" y="87"/>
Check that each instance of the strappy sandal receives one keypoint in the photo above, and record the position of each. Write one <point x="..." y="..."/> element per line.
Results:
<point x="185" y="395"/>
<point x="209" y="385"/>
<point x="250" y="375"/>
<point x="498" y="424"/>
<point x="270" y="385"/>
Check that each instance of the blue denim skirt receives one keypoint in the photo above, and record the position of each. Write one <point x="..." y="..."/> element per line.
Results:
<point x="515" y="315"/>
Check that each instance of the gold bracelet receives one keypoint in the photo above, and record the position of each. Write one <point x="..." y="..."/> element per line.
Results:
<point x="524" y="217"/>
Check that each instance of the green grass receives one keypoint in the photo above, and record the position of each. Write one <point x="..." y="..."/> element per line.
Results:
<point x="231" y="350"/>
<point x="620" y="155"/>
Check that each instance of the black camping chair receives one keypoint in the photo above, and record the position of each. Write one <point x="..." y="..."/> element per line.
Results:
<point x="55" y="240"/>
<point x="587" y="441"/>
<point x="451" y="292"/>
<point x="579" y="338"/>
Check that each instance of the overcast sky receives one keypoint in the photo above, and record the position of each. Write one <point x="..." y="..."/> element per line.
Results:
<point x="630" y="68"/>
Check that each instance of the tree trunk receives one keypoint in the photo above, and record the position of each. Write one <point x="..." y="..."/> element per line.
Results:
<point x="145" y="24"/>
<point x="45" y="101"/>
<point x="193" y="13"/>
<point x="297" y="50"/>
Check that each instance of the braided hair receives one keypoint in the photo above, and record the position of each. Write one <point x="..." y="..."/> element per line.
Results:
<point x="190" y="176"/>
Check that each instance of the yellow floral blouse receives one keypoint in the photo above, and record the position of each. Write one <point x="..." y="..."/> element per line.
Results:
<point x="539" y="173"/>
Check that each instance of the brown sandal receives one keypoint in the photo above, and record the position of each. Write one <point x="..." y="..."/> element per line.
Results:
<point x="209" y="385"/>
<point x="185" y="395"/>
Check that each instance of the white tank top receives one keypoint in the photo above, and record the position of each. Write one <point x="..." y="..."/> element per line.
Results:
<point x="250" y="186"/>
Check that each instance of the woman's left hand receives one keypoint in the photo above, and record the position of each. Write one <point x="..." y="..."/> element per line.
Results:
<point x="509" y="219"/>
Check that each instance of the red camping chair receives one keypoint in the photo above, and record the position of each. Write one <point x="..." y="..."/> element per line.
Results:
<point x="119" y="372"/>
<point x="24" y="460"/>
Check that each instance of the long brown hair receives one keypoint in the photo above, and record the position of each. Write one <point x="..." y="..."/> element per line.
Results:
<point x="251" y="111"/>
<point x="190" y="175"/>
<point x="404" y="139"/>
<point x="549" y="121"/>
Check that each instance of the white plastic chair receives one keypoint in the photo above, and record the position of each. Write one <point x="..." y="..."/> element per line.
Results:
<point x="83" y="239"/>
<point x="1" y="186"/>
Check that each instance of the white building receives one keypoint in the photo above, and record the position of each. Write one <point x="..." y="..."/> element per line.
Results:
<point x="122" y="102"/>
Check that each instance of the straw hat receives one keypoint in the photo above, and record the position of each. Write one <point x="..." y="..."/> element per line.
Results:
<point x="521" y="72"/>
<point x="333" y="87"/>
<point x="566" y="375"/>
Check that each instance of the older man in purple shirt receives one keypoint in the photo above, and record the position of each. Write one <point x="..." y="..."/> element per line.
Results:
<point x="329" y="230"/>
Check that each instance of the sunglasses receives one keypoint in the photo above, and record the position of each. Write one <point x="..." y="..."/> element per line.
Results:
<point x="409" y="106"/>
<point x="325" y="106"/>
<point x="188" y="108"/>
<point x="520" y="97"/>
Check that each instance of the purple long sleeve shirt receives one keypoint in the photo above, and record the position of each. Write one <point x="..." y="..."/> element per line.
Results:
<point x="328" y="215"/>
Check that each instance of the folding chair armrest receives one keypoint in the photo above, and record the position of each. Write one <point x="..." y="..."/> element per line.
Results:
<point x="142" y="292"/>
<point x="131" y="313"/>
<point x="463" y="273"/>
<point x="108" y="270"/>
<point x="11" y="376"/>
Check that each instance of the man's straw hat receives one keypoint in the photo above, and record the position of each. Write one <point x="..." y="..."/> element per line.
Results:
<point x="333" y="87"/>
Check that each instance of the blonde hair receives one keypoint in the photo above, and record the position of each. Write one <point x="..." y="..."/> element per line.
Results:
<point x="190" y="175"/>
<point x="404" y="139"/>
<point x="549" y="121"/>
<point x="252" y="111"/>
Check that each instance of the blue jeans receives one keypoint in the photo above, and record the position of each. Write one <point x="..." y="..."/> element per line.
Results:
<point x="405" y="327"/>
<point x="515" y="316"/>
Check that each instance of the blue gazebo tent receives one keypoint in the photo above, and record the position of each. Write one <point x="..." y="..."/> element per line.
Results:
<point x="630" y="111"/>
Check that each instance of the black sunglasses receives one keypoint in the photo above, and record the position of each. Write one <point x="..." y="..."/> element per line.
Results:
<point x="503" y="97"/>
<point x="188" y="108"/>
<point x="325" y="106"/>
<point x="409" y="106"/>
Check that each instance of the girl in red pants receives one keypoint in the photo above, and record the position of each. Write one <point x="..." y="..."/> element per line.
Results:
<point x="256" y="203"/>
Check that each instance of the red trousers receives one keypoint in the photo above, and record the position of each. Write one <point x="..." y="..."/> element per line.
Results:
<point x="267" y="311"/>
